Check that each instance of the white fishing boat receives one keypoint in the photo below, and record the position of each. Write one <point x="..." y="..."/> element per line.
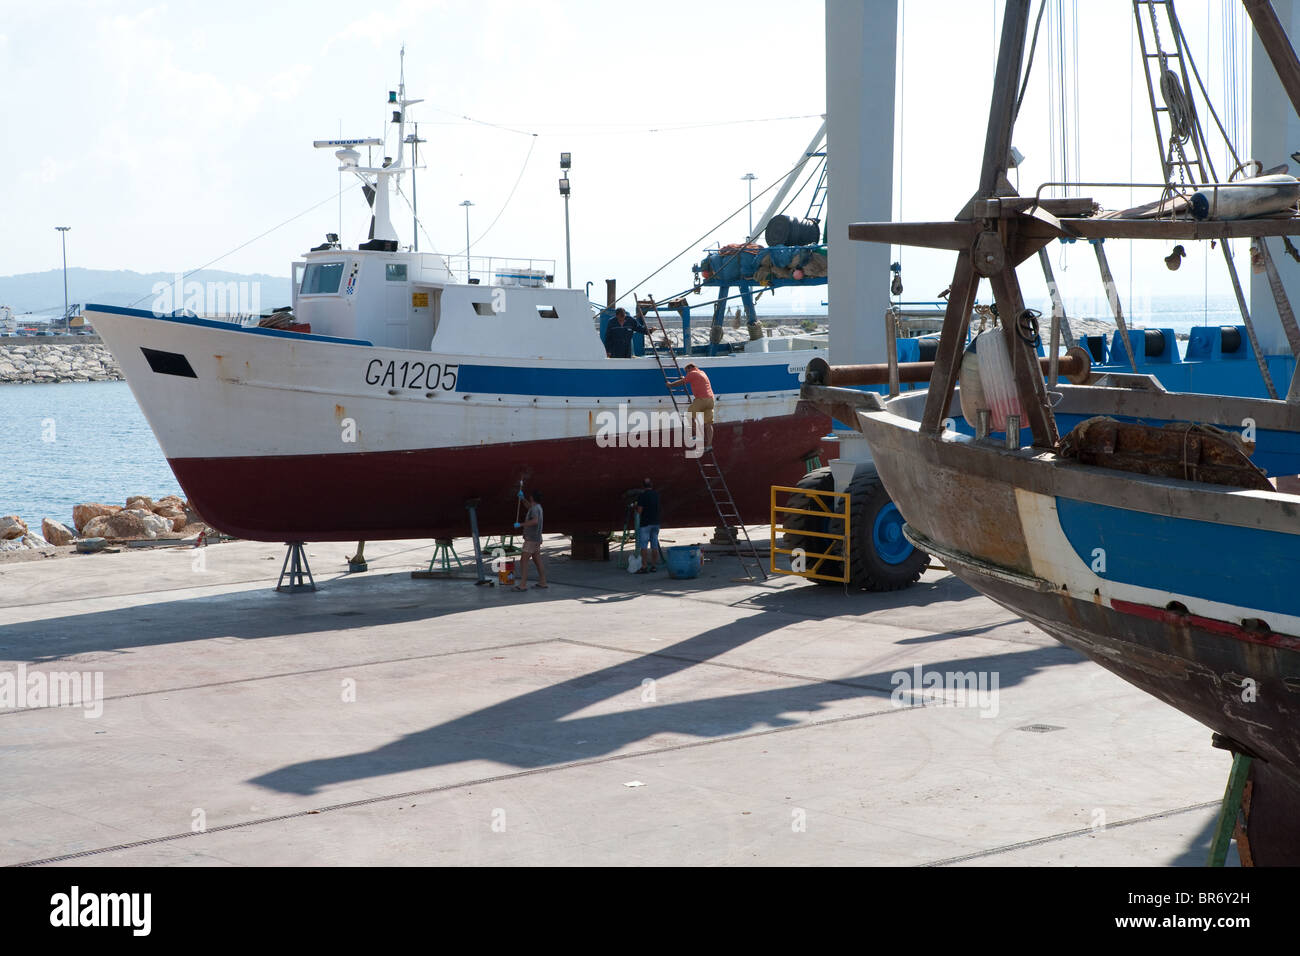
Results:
<point x="404" y="384"/>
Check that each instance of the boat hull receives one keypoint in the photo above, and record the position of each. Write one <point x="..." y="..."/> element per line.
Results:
<point x="423" y="493"/>
<point x="1223" y="649"/>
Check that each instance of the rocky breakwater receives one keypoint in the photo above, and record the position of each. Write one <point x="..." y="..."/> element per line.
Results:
<point x="15" y="536"/>
<point x="36" y="364"/>
<point x="141" y="519"/>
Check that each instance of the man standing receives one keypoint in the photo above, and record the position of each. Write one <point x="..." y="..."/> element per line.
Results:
<point x="701" y="400"/>
<point x="532" y="526"/>
<point x="647" y="532"/>
<point x="619" y="332"/>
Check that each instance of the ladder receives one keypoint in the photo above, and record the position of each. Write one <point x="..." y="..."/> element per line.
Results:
<point x="1184" y="152"/>
<point x="818" y="204"/>
<point x="710" y="470"/>
<point x="1178" y="130"/>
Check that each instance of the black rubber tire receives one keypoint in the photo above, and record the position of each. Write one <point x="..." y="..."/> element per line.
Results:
<point x="868" y="571"/>
<point x="819" y="479"/>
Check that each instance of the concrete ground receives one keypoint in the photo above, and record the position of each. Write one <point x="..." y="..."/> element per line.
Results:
<point x="612" y="719"/>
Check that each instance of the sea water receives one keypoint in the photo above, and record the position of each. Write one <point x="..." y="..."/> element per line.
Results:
<point x="70" y="443"/>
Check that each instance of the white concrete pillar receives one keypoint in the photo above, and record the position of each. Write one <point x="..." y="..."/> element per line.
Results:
<point x="860" y="58"/>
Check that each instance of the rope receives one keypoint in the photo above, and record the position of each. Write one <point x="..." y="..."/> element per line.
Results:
<point x="1181" y="112"/>
<point x="1209" y="105"/>
<point x="1027" y="327"/>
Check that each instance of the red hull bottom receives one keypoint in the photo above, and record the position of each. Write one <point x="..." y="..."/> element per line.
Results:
<point x="375" y="496"/>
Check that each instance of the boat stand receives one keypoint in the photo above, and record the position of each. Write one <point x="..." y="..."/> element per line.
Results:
<point x="1236" y="798"/>
<point x="295" y="567"/>
<point x="444" y="554"/>
<point x="357" y="562"/>
<point x="472" y="507"/>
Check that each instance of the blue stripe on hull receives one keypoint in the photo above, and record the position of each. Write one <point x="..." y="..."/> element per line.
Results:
<point x="1246" y="567"/>
<point x="617" y="382"/>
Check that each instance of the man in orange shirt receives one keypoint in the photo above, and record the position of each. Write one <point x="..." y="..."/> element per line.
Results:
<point x="701" y="399"/>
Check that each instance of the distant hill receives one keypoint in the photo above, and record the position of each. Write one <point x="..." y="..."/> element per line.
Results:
<point x="41" y="293"/>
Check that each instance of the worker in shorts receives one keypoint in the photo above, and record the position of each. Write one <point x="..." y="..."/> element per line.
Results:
<point x="532" y="528"/>
<point x="701" y="399"/>
<point x="647" y="532"/>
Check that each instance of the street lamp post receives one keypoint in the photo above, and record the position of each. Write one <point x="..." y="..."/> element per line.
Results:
<point x="63" y="235"/>
<point x="566" y="161"/>
<point x="467" y="204"/>
<point x="749" y="180"/>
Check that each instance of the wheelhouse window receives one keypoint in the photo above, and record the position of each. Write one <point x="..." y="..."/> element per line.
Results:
<point x="395" y="272"/>
<point x="322" y="278"/>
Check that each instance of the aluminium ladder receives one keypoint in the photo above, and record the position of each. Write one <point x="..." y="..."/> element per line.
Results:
<point x="710" y="471"/>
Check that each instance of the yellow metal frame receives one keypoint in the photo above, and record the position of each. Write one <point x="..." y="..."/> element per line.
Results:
<point x="824" y="507"/>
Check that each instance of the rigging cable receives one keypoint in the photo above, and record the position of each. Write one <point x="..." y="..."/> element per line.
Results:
<point x="1029" y="64"/>
<point x="631" y="289"/>
<point x="332" y="197"/>
<point x="901" y="112"/>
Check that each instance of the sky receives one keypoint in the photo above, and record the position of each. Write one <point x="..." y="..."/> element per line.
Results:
<point x="176" y="135"/>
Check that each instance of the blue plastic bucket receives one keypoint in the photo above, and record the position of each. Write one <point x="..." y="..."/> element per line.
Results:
<point x="684" y="561"/>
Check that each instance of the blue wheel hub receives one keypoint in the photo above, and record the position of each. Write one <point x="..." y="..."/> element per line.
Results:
<point x="887" y="536"/>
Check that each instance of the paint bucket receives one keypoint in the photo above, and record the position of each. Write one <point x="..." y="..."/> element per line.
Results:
<point x="506" y="573"/>
<point x="684" y="561"/>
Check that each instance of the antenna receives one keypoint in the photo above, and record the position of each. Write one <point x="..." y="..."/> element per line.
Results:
<point x="398" y="98"/>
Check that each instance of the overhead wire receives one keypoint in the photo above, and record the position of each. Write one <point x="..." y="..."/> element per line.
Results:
<point x="506" y="204"/>
<point x="615" y="129"/>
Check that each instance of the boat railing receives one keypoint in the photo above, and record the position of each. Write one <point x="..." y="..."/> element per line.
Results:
<point x="504" y="271"/>
<point x="1172" y="189"/>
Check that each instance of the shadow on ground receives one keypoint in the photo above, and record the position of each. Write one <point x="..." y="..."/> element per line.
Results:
<point x="534" y="729"/>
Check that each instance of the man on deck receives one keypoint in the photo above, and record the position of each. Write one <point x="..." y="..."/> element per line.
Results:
<point x="619" y="332"/>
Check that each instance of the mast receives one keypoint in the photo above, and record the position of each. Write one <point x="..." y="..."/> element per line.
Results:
<point x="377" y="178"/>
<point x="399" y="117"/>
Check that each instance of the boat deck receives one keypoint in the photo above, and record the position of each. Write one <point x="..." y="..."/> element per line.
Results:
<point x="386" y="720"/>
